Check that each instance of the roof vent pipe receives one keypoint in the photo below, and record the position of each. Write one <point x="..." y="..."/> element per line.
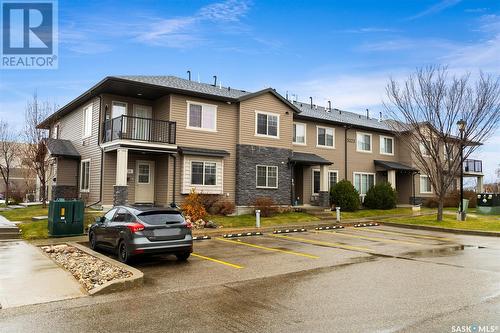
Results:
<point x="367" y="114"/>
<point x="286" y="95"/>
<point x="380" y="116"/>
<point x="189" y="75"/>
<point x="311" y="102"/>
<point x="215" y="80"/>
<point x="329" y="106"/>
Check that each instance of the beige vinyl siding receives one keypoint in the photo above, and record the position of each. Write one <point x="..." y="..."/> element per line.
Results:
<point x="71" y="128"/>
<point x="266" y="103"/>
<point x="224" y="138"/>
<point x="109" y="177"/>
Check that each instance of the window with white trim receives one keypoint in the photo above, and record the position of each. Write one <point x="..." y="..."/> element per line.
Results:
<point x="448" y="152"/>
<point x="425" y="184"/>
<point x="143" y="173"/>
<point x="325" y="137"/>
<point x="332" y="178"/>
<point x="87" y="121"/>
<point x="386" y="145"/>
<point x="267" y="124"/>
<point x="267" y="176"/>
<point x="299" y="133"/>
<point x="424" y="149"/>
<point x="316" y="181"/>
<point x="202" y="116"/>
<point x="85" y="175"/>
<point x="118" y="109"/>
<point x="363" y="181"/>
<point x="55" y="131"/>
<point x="363" y="142"/>
<point x="203" y="173"/>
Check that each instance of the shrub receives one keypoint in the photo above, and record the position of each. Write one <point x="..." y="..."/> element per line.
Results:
<point x="224" y="207"/>
<point x="266" y="205"/>
<point x="193" y="206"/>
<point x="453" y="199"/>
<point x="381" y="196"/>
<point x="209" y="201"/>
<point x="345" y="196"/>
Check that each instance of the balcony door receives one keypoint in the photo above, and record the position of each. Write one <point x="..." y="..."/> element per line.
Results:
<point x="142" y="122"/>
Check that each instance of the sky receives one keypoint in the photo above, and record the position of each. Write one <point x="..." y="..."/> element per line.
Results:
<point x="343" y="51"/>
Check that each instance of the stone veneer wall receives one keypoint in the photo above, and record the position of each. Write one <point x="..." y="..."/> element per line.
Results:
<point x="247" y="158"/>
<point x="67" y="192"/>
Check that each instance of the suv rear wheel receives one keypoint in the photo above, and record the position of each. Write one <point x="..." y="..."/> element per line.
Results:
<point x="92" y="240"/>
<point x="123" y="254"/>
<point x="182" y="256"/>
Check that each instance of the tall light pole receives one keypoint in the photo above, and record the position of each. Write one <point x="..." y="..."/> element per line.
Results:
<point x="461" y="127"/>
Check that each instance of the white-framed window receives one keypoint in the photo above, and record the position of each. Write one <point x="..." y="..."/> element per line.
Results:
<point x="363" y="181"/>
<point x="203" y="173"/>
<point x="325" y="137"/>
<point x="386" y="145"/>
<point x="87" y="121"/>
<point x="448" y="152"/>
<point x="299" y="133"/>
<point x="55" y="131"/>
<point x="316" y="180"/>
<point x="266" y="176"/>
<point x="363" y="142"/>
<point x="267" y="124"/>
<point x="425" y="184"/>
<point x="85" y="175"/>
<point x="118" y="109"/>
<point x="201" y="116"/>
<point x="143" y="173"/>
<point x="423" y="149"/>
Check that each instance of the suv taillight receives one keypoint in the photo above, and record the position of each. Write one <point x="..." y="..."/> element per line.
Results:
<point x="135" y="226"/>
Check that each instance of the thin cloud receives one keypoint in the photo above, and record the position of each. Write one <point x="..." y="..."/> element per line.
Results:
<point x="434" y="9"/>
<point x="368" y="30"/>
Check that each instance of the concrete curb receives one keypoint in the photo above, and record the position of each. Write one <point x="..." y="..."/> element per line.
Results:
<point x="454" y="231"/>
<point x="136" y="280"/>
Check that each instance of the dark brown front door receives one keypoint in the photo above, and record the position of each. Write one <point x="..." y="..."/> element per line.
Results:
<point x="298" y="178"/>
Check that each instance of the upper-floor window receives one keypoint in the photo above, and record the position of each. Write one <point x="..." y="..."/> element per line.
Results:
<point x="85" y="175"/>
<point x="267" y="124"/>
<point x="118" y="109"/>
<point x="203" y="173"/>
<point x="425" y="184"/>
<point x="299" y="133"/>
<point x="267" y="176"/>
<point x="363" y="142"/>
<point x="386" y="145"/>
<point x="55" y="131"/>
<point x="363" y="181"/>
<point x="325" y="137"/>
<point x="448" y="152"/>
<point x="424" y="148"/>
<point x="202" y="116"/>
<point x="87" y="121"/>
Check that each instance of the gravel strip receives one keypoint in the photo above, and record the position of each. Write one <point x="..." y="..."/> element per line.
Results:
<point x="90" y="271"/>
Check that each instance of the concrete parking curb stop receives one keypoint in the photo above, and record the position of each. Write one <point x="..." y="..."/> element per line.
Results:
<point x="197" y="238"/>
<point x="330" y="228"/>
<point x="243" y="234"/>
<point x="370" y="224"/>
<point x="136" y="280"/>
<point x="287" y="231"/>
<point x="441" y="229"/>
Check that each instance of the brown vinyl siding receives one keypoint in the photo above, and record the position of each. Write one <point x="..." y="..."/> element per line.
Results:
<point x="67" y="172"/>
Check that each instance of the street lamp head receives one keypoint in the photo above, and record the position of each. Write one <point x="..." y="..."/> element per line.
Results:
<point x="461" y="125"/>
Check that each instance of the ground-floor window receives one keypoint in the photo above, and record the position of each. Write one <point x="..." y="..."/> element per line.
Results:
<point x="363" y="181"/>
<point x="203" y="173"/>
<point x="425" y="184"/>
<point x="332" y="180"/>
<point x="267" y="176"/>
<point x="85" y="175"/>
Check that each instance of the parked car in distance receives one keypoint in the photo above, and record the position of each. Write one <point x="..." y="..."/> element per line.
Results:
<point x="131" y="230"/>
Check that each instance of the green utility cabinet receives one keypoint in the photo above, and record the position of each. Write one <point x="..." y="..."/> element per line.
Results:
<point x="66" y="218"/>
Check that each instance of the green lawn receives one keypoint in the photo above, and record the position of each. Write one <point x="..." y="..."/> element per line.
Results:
<point x="249" y="220"/>
<point x="481" y="222"/>
<point x="363" y="213"/>
<point x="38" y="229"/>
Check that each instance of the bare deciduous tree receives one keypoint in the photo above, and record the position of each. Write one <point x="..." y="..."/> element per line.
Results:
<point x="8" y="155"/>
<point x="426" y="109"/>
<point x="36" y="139"/>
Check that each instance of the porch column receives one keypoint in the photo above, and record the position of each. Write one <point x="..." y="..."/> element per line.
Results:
<point x="120" y="190"/>
<point x="324" y="191"/>
<point x="479" y="186"/>
<point x="391" y="178"/>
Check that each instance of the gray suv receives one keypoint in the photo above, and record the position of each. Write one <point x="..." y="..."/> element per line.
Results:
<point x="140" y="230"/>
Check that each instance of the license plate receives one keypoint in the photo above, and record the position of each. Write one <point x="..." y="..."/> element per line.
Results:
<point x="166" y="232"/>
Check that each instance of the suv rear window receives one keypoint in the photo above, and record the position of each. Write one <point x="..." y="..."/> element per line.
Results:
<point x="161" y="217"/>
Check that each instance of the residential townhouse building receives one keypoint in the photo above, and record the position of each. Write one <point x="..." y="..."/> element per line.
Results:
<point x="152" y="139"/>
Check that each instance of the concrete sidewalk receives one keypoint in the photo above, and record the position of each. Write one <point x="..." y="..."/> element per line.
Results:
<point x="27" y="276"/>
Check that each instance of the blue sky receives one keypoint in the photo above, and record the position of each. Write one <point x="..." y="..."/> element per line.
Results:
<point x="339" y="50"/>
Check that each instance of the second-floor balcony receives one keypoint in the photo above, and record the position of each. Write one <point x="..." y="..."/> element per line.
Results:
<point x="475" y="166"/>
<point x="139" y="129"/>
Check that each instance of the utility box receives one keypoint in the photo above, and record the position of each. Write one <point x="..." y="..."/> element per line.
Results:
<point x="66" y="218"/>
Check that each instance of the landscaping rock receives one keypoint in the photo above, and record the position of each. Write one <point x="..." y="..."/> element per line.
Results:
<point x="90" y="271"/>
<point x="39" y="218"/>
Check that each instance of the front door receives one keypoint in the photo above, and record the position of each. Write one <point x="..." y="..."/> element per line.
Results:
<point x="142" y="122"/>
<point x="144" y="182"/>
<point x="298" y="180"/>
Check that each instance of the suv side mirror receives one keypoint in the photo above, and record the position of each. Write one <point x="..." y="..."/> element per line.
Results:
<point x="99" y="219"/>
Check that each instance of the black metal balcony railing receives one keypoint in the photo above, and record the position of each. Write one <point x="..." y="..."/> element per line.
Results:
<point x="473" y="166"/>
<point x="139" y="129"/>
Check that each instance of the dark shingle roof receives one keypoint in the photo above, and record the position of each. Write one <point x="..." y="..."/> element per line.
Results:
<point x="389" y="165"/>
<point x="308" y="159"/>
<point x="183" y="84"/>
<point x="62" y="148"/>
<point x="340" y="116"/>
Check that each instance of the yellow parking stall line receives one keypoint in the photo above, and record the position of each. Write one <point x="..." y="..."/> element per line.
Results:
<point x="406" y="234"/>
<point x="216" y="260"/>
<point x="317" y="242"/>
<point x="268" y="248"/>
<point x="376" y="239"/>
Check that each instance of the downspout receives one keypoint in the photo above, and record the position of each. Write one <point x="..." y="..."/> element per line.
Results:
<point x="102" y="153"/>
<point x="346" y="128"/>
<point x="173" y="204"/>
